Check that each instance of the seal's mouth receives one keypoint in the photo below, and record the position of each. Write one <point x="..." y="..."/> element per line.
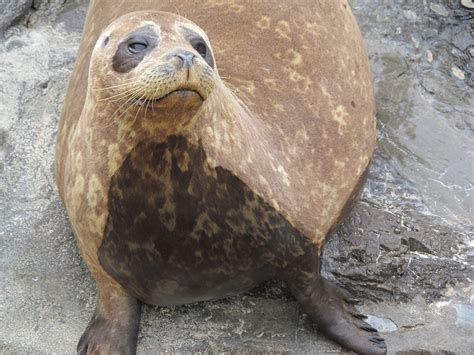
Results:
<point x="180" y="93"/>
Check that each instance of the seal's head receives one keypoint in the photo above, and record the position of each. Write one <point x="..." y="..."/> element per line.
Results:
<point x="152" y="62"/>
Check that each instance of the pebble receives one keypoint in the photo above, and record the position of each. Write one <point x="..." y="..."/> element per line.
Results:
<point x="468" y="3"/>
<point x="381" y="324"/>
<point x="439" y="9"/>
<point x="471" y="51"/>
<point x="458" y="73"/>
<point x="410" y="15"/>
<point x="429" y="56"/>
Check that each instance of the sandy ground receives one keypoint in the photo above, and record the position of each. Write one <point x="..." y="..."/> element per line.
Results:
<point x="407" y="248"/>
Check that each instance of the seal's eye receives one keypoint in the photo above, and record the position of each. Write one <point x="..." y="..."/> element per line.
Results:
<point x="199" y="44"/>
<point x="137" y="47"/>
<point x="201" y="48"/>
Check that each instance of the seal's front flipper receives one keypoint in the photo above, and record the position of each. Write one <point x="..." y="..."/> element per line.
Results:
<point x="114" y="326"/>
<point x="332" y="309"/>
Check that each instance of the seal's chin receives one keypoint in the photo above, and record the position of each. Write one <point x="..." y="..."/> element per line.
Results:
<point x="178" y="94"/>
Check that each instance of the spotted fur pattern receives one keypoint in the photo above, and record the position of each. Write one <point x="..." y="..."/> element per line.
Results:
<point x="180" y="231"/>
<point x="179" y="192"/>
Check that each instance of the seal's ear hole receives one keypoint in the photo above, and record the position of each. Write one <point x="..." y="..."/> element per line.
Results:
<point x="105" y="41"/>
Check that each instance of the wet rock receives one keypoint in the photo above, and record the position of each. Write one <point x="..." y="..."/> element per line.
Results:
<point x="416" y="245"/>
<point x="416" y="94"/>
<point x="11" y="10"/>
<point x="373" y="262"/>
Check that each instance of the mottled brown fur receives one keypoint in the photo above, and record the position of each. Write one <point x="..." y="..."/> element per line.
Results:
<point x="299" y="75"/>
<point x="298" y="149"/>
<point x="175" y="221"/>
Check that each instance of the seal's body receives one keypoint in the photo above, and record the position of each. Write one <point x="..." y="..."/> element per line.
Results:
<point x="179" y="192"/>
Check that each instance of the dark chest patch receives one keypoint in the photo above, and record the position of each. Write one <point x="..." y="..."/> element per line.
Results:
<point x="180" y="231"/>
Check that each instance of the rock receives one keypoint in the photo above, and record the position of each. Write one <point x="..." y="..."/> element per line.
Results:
<point x="383" y="325"/>
<point x="439" y="9"/>
<point x="429" y="56"/>
<point x="416" y="245"/>
<point x="37" y="4"/>
<point x="458" y="73"/>
<point x="465" y="314"/>
<point x="379" y="264"/>
<point x="410" y="15"/>
<point x="11" y="10"/>
<point x="470" y="50"/>
<point x="468" y="3"/>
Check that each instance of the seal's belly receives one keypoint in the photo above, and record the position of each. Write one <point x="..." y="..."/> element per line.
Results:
<point x="180" y="231"/>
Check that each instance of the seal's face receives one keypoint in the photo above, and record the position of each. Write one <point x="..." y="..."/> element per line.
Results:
<point x="152" y="62"/>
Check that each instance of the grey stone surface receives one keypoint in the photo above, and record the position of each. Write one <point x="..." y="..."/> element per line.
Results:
<point x="10" y="10"/>
<point x="382" y="256"/>
<point x="406" y="251"/>
<point x="384" y="325"/>
<point x="423" y="70"/>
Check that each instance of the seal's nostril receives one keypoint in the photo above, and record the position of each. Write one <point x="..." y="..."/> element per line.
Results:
<point x="186" y="57"/>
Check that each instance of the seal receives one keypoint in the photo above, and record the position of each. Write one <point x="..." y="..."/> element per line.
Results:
<point x="181" y="187"/>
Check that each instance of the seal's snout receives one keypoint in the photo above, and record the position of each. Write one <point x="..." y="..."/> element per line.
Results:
<point x="186" y="57"/>
<point x="177" y="73"/>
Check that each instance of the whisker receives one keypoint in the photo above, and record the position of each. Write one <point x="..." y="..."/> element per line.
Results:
<point x="134" y="81"/>
<point x="119" y="96"/>
<point x="177" y="11"/>
<point x="129" y="98"/>
<point x="127" y="102"/>
<point x="131" y="104"/>
<point x="146" y="107"/>
<point x="154" y="95"/>
<point x="139" y="107"/>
